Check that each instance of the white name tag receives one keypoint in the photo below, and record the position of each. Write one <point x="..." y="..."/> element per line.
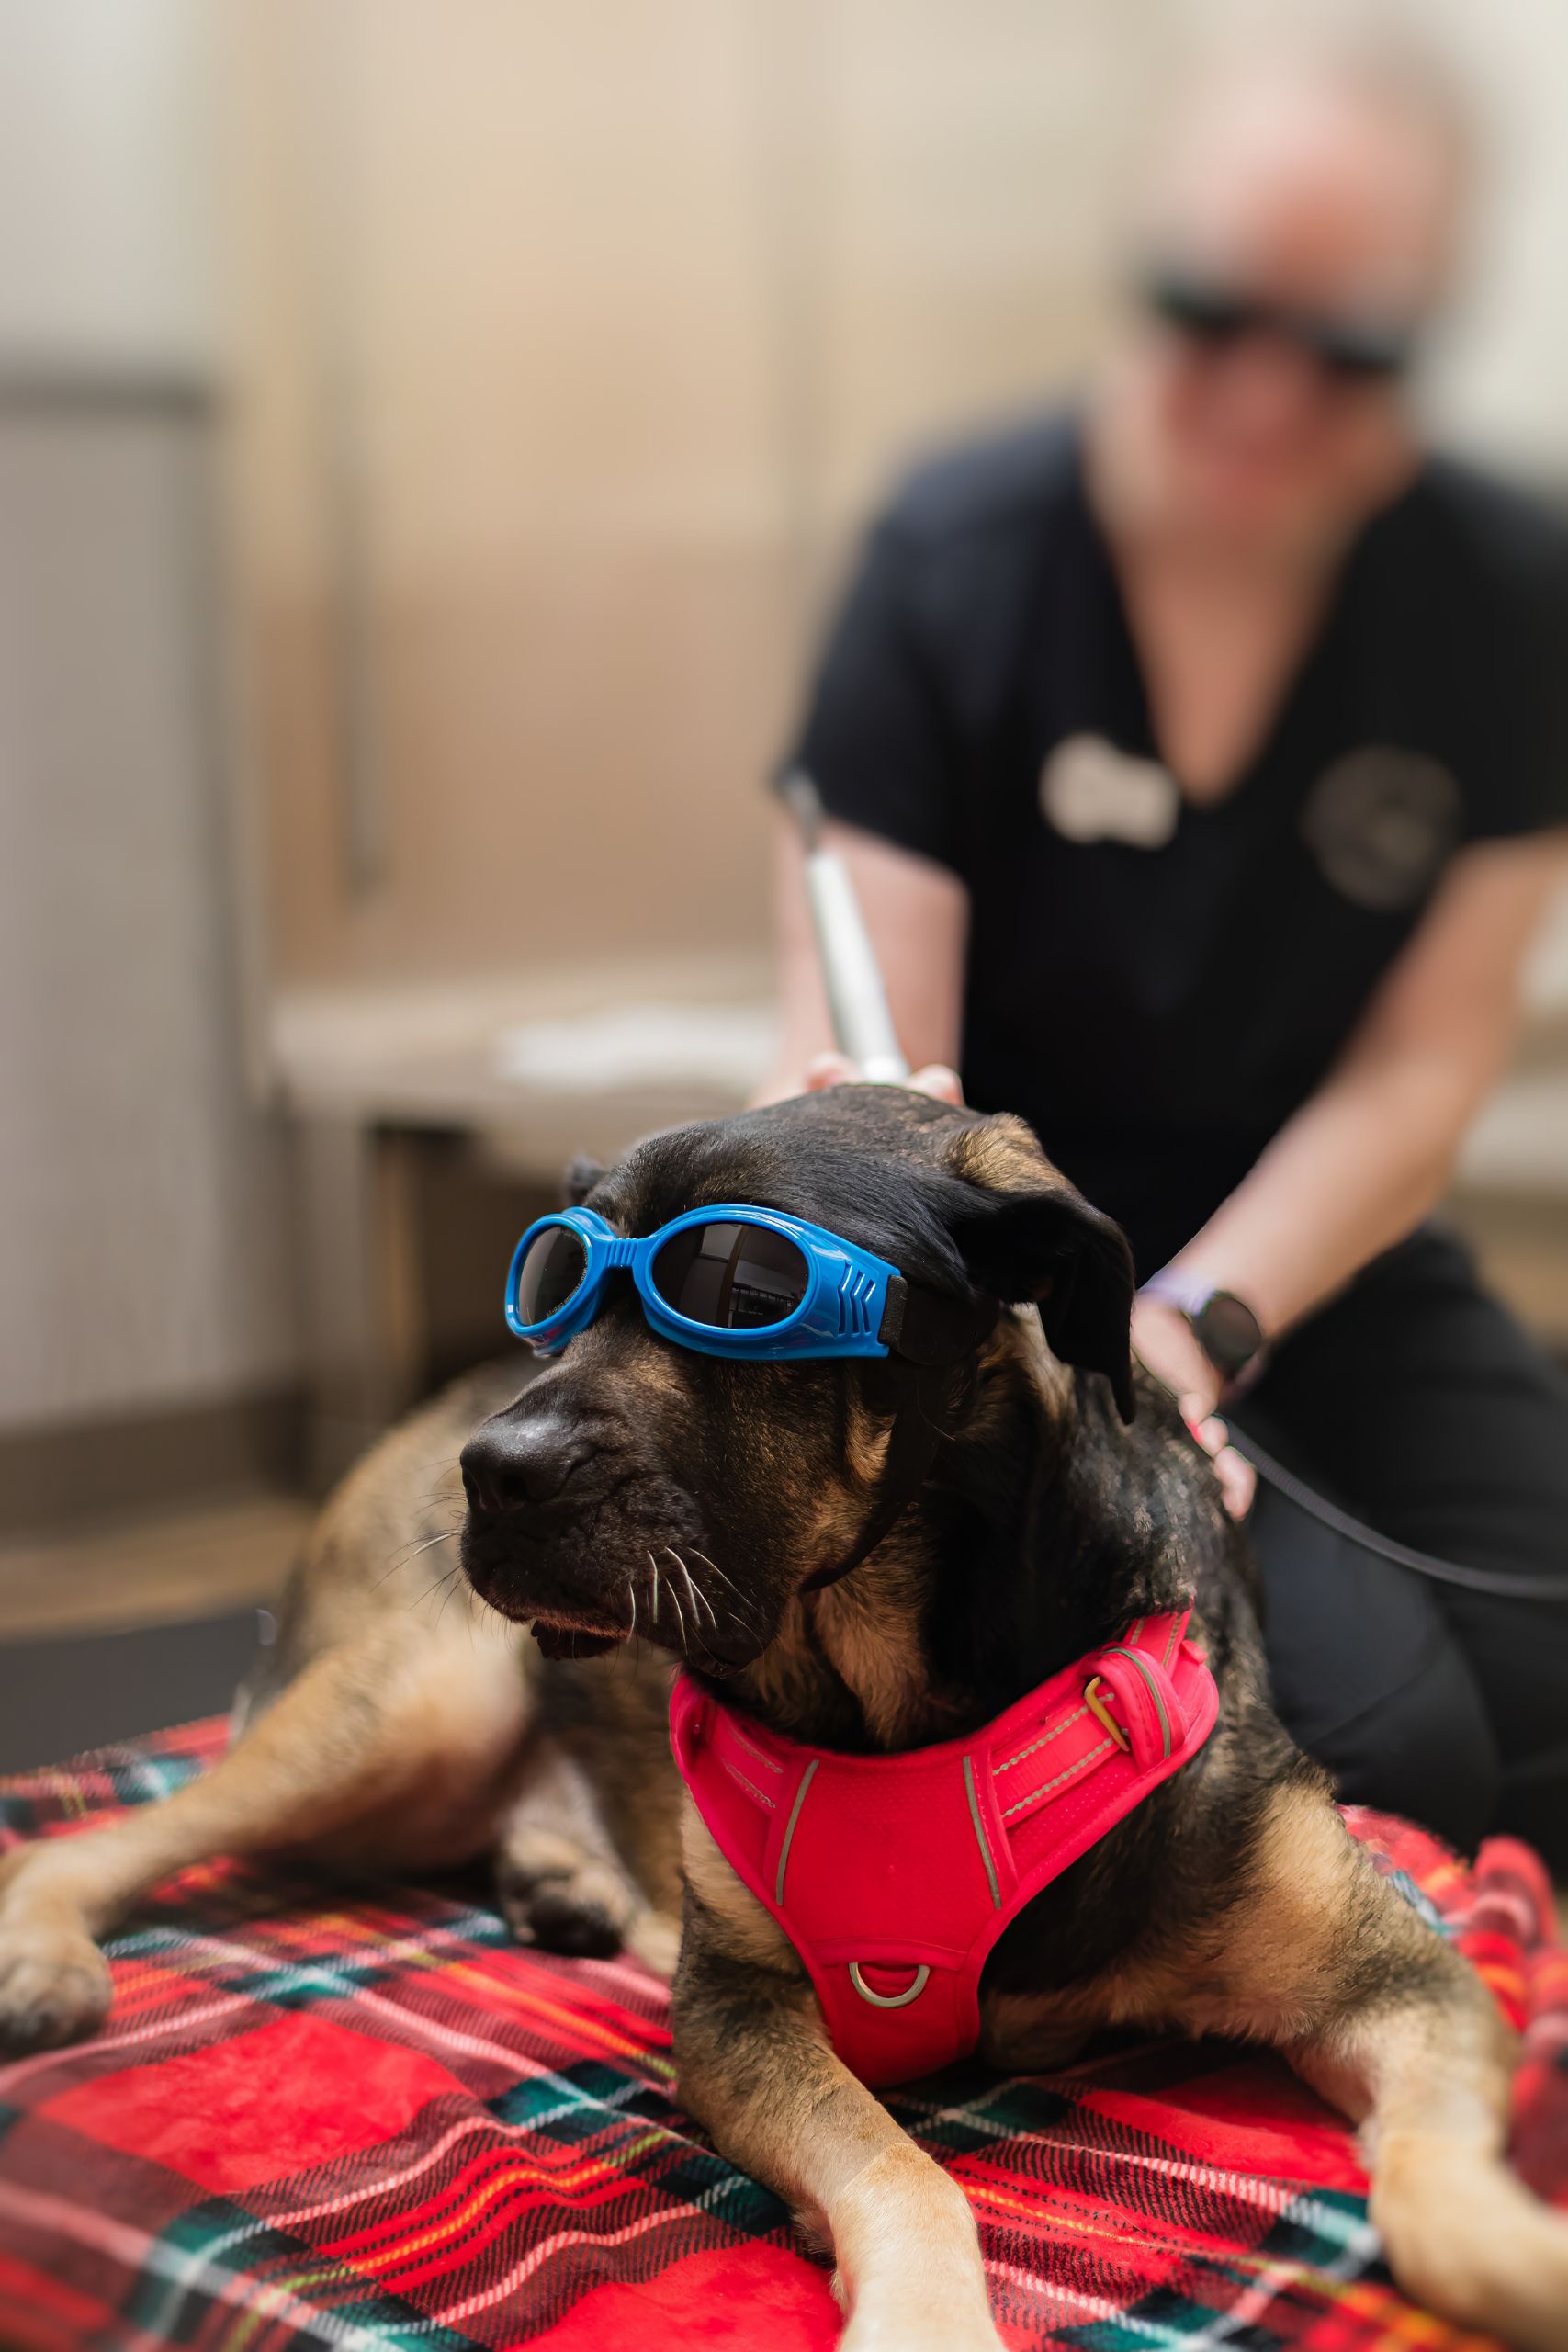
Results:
<point x="1091" y="792"/>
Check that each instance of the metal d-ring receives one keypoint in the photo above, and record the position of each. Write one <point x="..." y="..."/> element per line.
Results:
<point x="888" y="2000"/>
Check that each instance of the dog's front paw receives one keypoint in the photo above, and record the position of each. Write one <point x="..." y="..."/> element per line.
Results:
<point x="877" y="2329"/>
<point x="554" y="1895"/>
<point x="54" y="1985"/>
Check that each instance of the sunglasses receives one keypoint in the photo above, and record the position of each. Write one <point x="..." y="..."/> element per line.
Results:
<point x="1349" y="350"/>
<point x="735" y="1281"/>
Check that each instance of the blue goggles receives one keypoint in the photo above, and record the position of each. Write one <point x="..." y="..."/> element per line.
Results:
<point x="735" y="1281"/>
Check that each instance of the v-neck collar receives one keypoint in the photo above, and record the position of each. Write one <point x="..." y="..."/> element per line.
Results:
<point x="1126" y="683"/>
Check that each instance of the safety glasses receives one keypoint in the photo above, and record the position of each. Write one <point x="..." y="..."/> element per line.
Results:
<point x="727" y="1281"/>
<point x="1346" y="350"/>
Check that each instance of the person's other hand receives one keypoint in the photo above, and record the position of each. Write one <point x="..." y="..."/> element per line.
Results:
<point x="1164" y="1341"/>
<point x="837" y="1069"/>
<point x="1161" y="1337"/>
<point x="1238" y="1479"/>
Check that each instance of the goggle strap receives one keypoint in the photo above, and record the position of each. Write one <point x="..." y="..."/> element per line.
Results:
<point x="924" y="1403"/>
<point x="929" y="1330"/>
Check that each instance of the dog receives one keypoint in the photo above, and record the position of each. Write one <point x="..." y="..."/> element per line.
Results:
<point x="637" y="1485"/>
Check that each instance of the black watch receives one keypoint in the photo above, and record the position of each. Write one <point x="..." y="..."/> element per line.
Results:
<point x="1223" y="1326"/>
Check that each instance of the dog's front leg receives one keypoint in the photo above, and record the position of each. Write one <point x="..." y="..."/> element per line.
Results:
<point x="1424" y="2070"/>
<point x="1391" y="2023"/>
<point x="376" y="1756"/>
<point x="756" y="2068"/>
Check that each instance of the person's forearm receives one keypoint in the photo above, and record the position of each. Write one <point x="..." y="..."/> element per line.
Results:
<point x="1354" y="1170"/>
<point x="1366" y="1157"/>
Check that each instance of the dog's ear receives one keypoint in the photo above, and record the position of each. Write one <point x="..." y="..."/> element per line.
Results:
<point x="583" y="1171"/>
<point x="1026" y="1233"/>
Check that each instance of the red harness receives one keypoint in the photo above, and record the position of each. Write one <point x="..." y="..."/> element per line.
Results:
<point x="894" y="1875"/>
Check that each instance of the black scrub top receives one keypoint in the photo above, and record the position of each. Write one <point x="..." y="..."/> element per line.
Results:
<point x="1155" y="986"/>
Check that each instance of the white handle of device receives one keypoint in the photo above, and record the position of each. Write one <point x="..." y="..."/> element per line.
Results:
<point x="857" y="1001"/>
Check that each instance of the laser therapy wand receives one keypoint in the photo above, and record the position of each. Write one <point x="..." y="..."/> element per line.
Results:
<point x="857" y="1001"/>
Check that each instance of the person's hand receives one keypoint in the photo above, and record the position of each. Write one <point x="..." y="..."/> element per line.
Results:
<point x="837" y="1069"/>
<point x="1161" y="1338"/>
<point x="1164" y="1341"/>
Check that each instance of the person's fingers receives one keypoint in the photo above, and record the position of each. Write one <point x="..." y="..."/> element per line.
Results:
<point x="837" y="1069"/>
<point x="1238" y="1480"/>
<point x="936" y="1079"/>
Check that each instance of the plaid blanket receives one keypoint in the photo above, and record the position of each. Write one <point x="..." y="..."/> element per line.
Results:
<point x="381" y="2124"/>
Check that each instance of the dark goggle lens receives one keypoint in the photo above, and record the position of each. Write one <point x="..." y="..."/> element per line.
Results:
<point x="550" y="1273"/>
<point x="732" y="1277"/>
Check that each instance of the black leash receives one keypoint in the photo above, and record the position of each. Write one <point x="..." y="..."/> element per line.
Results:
<point x="1495" y="1581"/>
<point x="925" y="1397"/>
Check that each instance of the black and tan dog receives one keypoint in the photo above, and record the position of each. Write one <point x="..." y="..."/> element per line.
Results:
<point x="633" y="1485"/>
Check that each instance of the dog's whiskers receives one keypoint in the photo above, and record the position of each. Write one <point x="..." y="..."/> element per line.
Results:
<point x="406" y="1554"/>
<point x="431" y="1541"/>
<point x="747" y="1601"/>
<point x="680" y="1619"/>
<point x="448" y="1584"/>
<point x="697" y="1597"/>
<point x="446" y="1578"/>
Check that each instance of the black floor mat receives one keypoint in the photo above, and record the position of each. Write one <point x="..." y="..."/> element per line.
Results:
<point x="78" y="1690"/>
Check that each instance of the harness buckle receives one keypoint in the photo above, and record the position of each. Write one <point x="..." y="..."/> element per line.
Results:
<point x="1103" y="1714"/>
<point x="889" y="2000"/>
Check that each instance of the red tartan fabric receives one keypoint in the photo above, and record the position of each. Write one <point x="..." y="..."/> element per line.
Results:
<point x="311" y="2122"/>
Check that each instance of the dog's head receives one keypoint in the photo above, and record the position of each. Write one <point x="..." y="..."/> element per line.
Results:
<point x="635" y="1485"/>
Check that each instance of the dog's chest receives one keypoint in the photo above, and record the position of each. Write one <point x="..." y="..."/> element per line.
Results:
<point x="1028" y="2034"/>
<point x="1034" y="2033"/>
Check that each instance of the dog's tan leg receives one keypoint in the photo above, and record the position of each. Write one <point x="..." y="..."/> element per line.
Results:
<point x="559" y="1880"/>
<point x="1394" y="2027"/>
<point x="755" y="2067"/>
<point x="383" y="1755"/>
<point x="1462" y="2235"/>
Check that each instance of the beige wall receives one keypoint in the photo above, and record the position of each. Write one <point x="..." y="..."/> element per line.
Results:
<point x="573" y="341"/>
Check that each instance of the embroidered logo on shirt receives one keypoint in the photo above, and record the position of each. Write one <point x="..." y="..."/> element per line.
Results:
<point x="1381" y="823"/>
<point x="1091" y="792"/>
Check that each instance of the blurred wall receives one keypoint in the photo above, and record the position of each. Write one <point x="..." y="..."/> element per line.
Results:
<point x="107" y="240"/>
<point x="1500" y="386"/>
<point x="575" y="341"/>
<point x="143" y="1257"/>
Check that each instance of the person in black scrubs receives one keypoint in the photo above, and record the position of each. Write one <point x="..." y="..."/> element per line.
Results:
<point x="1202" y="759"/>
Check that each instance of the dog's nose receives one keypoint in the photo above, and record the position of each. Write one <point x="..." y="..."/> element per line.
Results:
<point x="521" y="1465"/>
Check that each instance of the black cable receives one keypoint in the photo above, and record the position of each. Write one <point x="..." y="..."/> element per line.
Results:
<point x="1490" y="1580"/>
